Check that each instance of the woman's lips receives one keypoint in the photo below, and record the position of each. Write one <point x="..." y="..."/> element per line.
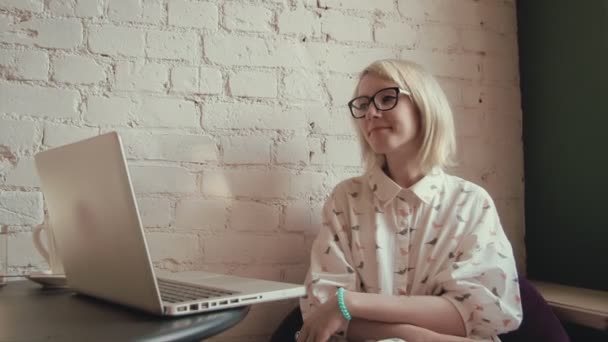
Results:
<point x="377" y="129"/>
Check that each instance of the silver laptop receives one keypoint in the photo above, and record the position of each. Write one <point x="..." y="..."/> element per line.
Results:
<point x="100" y="239"/>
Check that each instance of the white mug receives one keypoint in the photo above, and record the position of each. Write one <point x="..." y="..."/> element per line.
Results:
<point x="50" y="253"/>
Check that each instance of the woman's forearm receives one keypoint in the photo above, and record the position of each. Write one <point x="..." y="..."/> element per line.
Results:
<point x="361" y="330"/>
<point x="430" y="312"/>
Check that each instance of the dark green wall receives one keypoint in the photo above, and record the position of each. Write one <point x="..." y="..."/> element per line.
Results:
<point x="564" y="80"/>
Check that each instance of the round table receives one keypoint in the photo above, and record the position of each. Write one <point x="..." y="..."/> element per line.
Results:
<point x="30" y="313"/>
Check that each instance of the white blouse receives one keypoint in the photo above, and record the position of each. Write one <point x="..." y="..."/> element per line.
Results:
<point x="442" y="236"/>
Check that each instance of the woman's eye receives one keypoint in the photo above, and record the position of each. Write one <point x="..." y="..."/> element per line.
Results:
<point x="388" y="99"/>
<point x="363" y="106"/>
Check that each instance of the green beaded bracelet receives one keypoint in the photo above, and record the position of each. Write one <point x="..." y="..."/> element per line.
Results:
<point x="342" y="305"/>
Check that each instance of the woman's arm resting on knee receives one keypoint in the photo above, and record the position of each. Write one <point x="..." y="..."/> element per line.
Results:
<point x="363" y="330"/>
<point x="430" y="312"/>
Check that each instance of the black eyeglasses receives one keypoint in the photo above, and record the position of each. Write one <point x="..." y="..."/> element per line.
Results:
<point x="384" y="99"/>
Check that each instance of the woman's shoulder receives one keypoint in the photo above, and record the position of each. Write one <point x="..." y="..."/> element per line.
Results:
<point x="350" y="186"/>
<point x="459" y="185"/>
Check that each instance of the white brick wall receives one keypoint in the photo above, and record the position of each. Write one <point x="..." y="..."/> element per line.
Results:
<point x="233" y="114"/>
<point x="242" y="17"/>
<point x="197" y="213"/>
<point x="116" y="41"/>
<point x="252" y="216"/>
<point x="253" y="84"/>
<point x="141" y="76"/>
<point x="78" y="69"/>
<point x="24" y="64"/>
<point x="193" y="14"/>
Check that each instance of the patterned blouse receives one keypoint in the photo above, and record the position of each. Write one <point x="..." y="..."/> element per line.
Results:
<point x="442" y="237"/>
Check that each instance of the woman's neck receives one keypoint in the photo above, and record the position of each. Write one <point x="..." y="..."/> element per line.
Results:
<point x="403" y="172"/>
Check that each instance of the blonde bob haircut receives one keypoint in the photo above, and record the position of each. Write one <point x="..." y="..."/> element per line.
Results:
<point x="438" y="142"/>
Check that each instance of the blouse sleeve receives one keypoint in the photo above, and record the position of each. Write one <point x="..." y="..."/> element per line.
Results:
<point x="480" y="279"/>
<point x="331" y="260"/>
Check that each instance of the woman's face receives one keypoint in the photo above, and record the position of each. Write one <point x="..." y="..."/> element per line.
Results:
<point x="392" y="131"/>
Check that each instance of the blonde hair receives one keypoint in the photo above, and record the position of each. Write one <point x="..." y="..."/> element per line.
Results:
<point x="436" y="121"/>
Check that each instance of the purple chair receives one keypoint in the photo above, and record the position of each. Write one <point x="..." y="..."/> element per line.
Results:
<point x="539" y="324"/>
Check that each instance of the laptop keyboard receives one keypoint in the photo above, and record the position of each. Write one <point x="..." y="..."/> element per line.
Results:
<point x="174" y="292"/>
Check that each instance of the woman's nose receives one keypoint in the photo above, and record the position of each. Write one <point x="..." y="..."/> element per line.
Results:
<point x="372" y="112"/>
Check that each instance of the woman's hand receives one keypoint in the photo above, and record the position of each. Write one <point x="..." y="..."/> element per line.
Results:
<point x="325" y="321"/>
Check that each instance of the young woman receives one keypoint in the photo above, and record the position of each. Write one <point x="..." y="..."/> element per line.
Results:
<point x="407" y="251"/>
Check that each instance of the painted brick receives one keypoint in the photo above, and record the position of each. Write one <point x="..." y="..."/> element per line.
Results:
<point x="253" y="249"/>
<point x="166" y="146"/>
<point x="297" y="150"/>
<point x="500" y="17"/>
<point x="438" y="37"/>
<point x="61" y="7"/>
<point x="172" y="45"/>
<point x="168" y="112"/>
<point x="500" y="69"/>
<point x="155" y="212"/>
<point x="452" y="90"/>
<point x="78" y="70"/>
<point x="110" y="110"/>
<point x="365" y="5"/>
<point x="26" y="5"/>
<point x="489" y="43"/>
<point x="338" y="122"/>
<point x="464" y="12"/>
<point x="46" y="33"/>
<point x="506" y="98"/>
<point x="262" y="184"/>
<point x="468" y="122"/>
<point x="346" y="59"/>
<point x="124" y="9"/>
<point x="253" y="216"/>
<point x="184" y="79"/>
<point x="193" y="14"/>
<point x="50" y="102"/>
<point x="247" y="17"/>
<point x="303" y="217"/>
<point x="233" y="50"/>
<point x="197" y="213"/>
<point x="448" y="65"/>
<point x="246" y="150"/>
<point x="88" y="8"/>
<point x="346" y="28"/>
<point x="248" y="83"/>
<point x="339" y="151"/>
<point x="251" y="51"/>
<point x="143" y="11"/>
<point x="211" y="81"/>
<point x="141" y="76"/>
<point x="22" y="253"/>
<point x="18" y="135"/>
<point x="162" y="179"/>
<point x="116" y="41"/>
<point x="24" y="174"/>
<point x="243" y="116"/>
<point x="56" y="134"/>
<point x="396" y="33"/>
<point x="303" y="85"/>
<point x="341" y="89"/>
<point x="5" y="22"/>
<point x="20" y="208"/>
<point x="300" y="21"/>
<point x="174" y="246"/>
<point x="24" y="64"/>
